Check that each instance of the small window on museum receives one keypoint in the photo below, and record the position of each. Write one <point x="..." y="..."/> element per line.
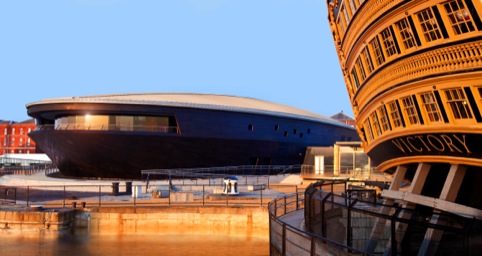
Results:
<point x="428" y="23"/>
<point x="286" y="134"/>
<point x="251" y="127"/>
<point x="459" y="17"/>
<point x="458" y="103"/>
<point x="276" y="127"/>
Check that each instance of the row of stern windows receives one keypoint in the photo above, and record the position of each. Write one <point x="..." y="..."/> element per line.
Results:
<point x="426" y="27"/>
<point x="456" y="105"/>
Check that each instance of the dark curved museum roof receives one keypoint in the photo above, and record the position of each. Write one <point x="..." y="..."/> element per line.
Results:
<point x="196" y="100"/>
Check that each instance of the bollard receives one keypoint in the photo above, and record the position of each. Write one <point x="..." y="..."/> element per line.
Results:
<point x="115" y="188"/>
<point x="129" y="187"/>
<point x="74" y="204"/>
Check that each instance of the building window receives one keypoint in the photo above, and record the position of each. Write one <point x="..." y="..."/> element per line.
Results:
<point x="28" y="142"/>
<point x="308" y="131"/>
<point x="361" y="69"/>
<point x="20" y="142"/>
<point x="368" y="130"/>
<point x="388" y="42"/>
<point x="377" y="131"/>
<point x="410" y="111"/>
<point x="301" y="135"/>
<point x="295" y="131"/>
<point x="12" y="142"/>
<point x="21" y="130"/>
<point x="377" y="50"/>
<point x="383" y="116"/>
<point x="29" y="130"/>
<point x="431" y="107"/>
<point x="4" y="142"/>
<point x="286" y="134"/>
<point x="251" y="127"/>
<point x="5" y="131"/>
<point x="13" y="130"/>
<point x="430" y="28"/>
<point x="355" y="78"/>
<point x="459" y="17"/>
<point x="457" y="102"/>
<point x="395" y="114"/>
<point x="406" y="33"/>
<point x="276" y="127"/>
<point x="368" y="60"/>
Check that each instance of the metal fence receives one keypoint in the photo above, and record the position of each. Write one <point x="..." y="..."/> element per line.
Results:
<point x="252" y="191"/>
<point x="288" y="237"/>
<point x="359" y="222"/>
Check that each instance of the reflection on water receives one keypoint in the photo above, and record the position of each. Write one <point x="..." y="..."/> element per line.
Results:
<point x="130" y="244"/>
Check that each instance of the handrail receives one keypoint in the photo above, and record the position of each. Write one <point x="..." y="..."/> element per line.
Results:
<point x="110" y="127"/>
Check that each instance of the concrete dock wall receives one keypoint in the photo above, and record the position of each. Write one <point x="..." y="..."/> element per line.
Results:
<point x="232" y="221"/>
<point x="44" y="220"/>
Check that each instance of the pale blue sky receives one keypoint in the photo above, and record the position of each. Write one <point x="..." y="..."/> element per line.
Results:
<point x="275" y="50"/>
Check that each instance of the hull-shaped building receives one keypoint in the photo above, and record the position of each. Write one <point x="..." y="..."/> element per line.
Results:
<point x="121" y="135"/>
<point x="413" y="72"/>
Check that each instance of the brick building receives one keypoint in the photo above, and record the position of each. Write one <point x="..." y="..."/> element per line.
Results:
<point x="14" y="137"/>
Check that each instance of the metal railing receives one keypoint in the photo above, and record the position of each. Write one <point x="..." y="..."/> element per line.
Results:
<point x="110" y="127"/>
<point x="356" y="220"/>
<point x="189" y="192"/>
<point x="290" y="238"/>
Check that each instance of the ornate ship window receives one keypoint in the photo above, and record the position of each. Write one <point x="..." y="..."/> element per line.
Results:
<point x="410" y="110"/>
<point x="377" y="131"/>
<point x="458" y="103"/>
<point x="406" y="33"/>
<point x="431" y="107"/>
<point x="346" y="15"/>
<point x="377" y="50"/>
<point x="395" y="114"/>
<point x="388" y="42"/>
<point x="368" y="130"/>
<point x="354" y="76"/>
<point x="383" y="116"/>
<point x="429" y="25"/>
<point x="352" y="6"/>
<point x="459" y="17"/>
<point x="361" y="69"/>
<point x="368" y="60"/>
